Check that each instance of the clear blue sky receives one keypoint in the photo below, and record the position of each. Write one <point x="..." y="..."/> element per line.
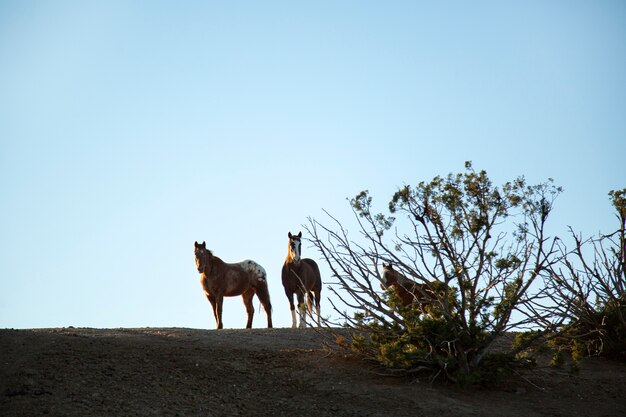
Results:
<point x="130" y="129"/>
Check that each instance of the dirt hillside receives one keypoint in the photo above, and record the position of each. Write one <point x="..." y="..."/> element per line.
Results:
<point x="260" y="372"/>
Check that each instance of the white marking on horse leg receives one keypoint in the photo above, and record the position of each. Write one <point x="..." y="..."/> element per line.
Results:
<point x="318" y="316"/>
<point x="302" y="310"/>
<point x="293" y="319"/>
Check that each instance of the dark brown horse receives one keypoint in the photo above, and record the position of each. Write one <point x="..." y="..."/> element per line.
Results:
<point x="407" y="290"/>
<point x="220" y="280"/>
<point x="301" y="277"/>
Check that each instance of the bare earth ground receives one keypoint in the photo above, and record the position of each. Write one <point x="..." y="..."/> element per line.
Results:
<point x="261" y="372"/>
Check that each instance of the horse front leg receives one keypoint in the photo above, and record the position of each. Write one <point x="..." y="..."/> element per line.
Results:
<point x="219" y="301"/>
<point x="292" y="307"/>
<point x="213" y="302"/>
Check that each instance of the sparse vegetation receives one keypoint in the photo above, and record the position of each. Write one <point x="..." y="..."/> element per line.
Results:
<point x="588" y="293"/>
<point x="495" y="269"/>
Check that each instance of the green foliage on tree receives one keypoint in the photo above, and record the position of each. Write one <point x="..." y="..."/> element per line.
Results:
<point x="482" y="246"/>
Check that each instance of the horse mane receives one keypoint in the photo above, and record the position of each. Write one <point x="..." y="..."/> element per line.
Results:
<point x="217" y="263"/>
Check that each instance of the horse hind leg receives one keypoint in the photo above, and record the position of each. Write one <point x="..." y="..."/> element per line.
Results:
<point x="247" y="301"/>
<point x="309" y="303"/>
<point x="264" y="297"/>
<point x="318" y="296"/>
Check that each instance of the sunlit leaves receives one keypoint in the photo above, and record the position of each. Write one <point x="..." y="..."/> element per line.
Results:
<point x="477" y="245"/>
<point x="510" y="262"/>
<point x="362" y="205"/>
<point x="618" y="200"/>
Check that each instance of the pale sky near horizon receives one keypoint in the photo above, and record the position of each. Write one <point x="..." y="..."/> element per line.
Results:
<point x="131" y="129"/>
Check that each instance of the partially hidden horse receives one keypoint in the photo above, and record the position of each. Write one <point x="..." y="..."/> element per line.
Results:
<point x="220" y="279"/>
<point x="407" y="290"/>
<point x="301" y="276"/>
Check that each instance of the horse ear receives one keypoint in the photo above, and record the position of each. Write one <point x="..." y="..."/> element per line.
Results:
<point x="204" y="244"/>
<point x="195" y="243"/>
<point x="300" y="234"/>
<point x="289" y="234"/>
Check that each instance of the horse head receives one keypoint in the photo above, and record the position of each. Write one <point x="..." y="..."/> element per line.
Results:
<point x="295" y="247"/>
<point x="202" y="257"/>
<point x="407" y="289"/>
<point x="389" y="276"/>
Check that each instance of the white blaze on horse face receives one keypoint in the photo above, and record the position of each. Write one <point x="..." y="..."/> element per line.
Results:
<point x="386" y="276"/>
<point x="294" y="249"/>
